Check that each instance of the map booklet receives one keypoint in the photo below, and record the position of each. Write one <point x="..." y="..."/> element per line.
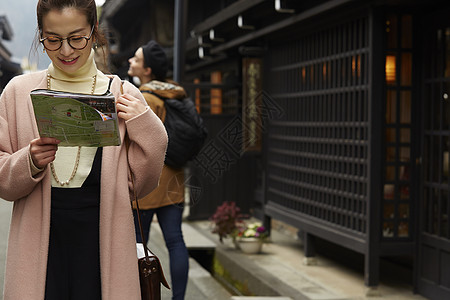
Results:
<point x="76" y="119"/>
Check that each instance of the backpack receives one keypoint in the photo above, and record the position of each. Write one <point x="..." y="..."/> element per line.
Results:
<point x="185" y="130"/>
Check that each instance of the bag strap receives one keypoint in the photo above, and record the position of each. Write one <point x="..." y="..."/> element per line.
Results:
<point x="144" y="241"/>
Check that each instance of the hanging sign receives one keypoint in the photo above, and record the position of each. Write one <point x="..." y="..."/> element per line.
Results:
<point x="251" y="104"/>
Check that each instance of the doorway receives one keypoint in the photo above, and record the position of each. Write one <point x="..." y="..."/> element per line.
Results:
<point x="433" y="270"/>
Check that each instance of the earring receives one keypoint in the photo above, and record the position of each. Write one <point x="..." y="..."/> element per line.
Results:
<point x="95" y="46"/>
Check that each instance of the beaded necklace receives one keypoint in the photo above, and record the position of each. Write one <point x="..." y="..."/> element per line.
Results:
<point x="77" y="160"/>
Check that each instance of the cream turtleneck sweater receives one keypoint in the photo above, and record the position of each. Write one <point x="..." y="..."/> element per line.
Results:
<point x="79" y="82"/>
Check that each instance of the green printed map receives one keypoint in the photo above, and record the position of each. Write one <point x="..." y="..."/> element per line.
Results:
<point x="76" y="119"/>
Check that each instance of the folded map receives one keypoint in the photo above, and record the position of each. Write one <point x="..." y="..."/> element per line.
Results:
<point x="76" y="119"/>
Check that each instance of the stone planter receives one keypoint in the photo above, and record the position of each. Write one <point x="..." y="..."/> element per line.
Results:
<point x="250" y="245"/>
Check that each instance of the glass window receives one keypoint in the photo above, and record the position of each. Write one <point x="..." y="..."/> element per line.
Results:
<point x="445" y="99"/>
<point x="406" y="31"/>
<point x="435" y="209"/>
<point x="390" y="135"/>
<point x="390" y="173"/>
<point x="405" y="135"/>
<point x="388" y="211"/>
<point x="388" y="229"/>
<point x="391" y="68"/>
<point x="403" y="229"/>
<point x="391" y="31"/>
<point x="390" y="154"/>
<point x="404" y="154"/>
<point x="398" y="79"/>
<point x="435" y="106"/>
<point x="445" y="159"/>
<point x="446" y="32"/>
<point x="403" y="211"/>
<point x="404" y="191"/>
<point x="389" y="190"/>
<point x="406" y="71"/>
<point x="405" y="107"/>
<point x="443" y="215"/>
<point x="391" y="107"/>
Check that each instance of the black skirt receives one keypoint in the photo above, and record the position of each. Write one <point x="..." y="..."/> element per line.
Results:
<point x="73" y="268"/>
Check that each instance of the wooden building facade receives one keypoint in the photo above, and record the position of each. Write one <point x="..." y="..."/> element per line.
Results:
<point x="331" y="116"/>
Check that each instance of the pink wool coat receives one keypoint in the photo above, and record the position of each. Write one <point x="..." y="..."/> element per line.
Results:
<point x="28" y="242"/>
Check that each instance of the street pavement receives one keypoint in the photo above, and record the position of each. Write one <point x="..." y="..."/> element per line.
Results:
<point x="5" y="218"/>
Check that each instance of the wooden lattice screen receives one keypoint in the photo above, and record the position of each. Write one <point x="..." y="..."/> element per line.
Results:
<point x="317" y="154"/>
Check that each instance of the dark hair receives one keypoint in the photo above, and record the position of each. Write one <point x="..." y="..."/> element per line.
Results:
<point x="87" y="7"/>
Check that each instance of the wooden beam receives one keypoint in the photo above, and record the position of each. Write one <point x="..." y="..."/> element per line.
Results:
<point x="317" y="10"/>
<point x="229" y="12"/>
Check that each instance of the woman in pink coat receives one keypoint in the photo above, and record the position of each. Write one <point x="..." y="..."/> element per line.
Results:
<point x="72" y="232"/>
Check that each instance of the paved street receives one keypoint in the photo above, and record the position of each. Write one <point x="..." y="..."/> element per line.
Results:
<point x="5" y="218"/>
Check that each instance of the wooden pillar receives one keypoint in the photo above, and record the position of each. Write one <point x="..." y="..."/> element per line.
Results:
<point x="216" y="94"/>
<point x="376" y="140"/>
<point x="197" y="99"/>
<point x="179" y="47"/>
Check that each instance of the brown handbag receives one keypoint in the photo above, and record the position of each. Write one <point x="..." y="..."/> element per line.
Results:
<point x="151" y="274"/>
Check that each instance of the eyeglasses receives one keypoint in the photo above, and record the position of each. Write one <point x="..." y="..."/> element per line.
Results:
<point x="77" y="42"/>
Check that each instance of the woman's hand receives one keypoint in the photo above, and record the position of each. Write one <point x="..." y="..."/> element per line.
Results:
<point x="43" y="151"/>
<point x="129" y="107"/>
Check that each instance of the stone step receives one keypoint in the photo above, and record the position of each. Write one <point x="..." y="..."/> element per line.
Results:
<point x="194" y="240"/>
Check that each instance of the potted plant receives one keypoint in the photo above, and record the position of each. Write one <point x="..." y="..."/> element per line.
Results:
<point x="251" y="237"/>
<point x="226" y="219"/>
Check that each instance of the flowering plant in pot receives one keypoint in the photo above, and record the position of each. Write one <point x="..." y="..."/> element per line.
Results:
<point x="251" y="237"/>
<point x="253" y="230"/>
<point x="227" y="219"/>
